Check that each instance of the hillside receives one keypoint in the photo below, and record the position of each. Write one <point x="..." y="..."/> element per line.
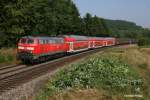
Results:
<point x="122" y="25"/>
<point x="121" y="28"/>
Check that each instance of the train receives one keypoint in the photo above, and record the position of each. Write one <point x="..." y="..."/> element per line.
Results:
<point x="39" y="48"/>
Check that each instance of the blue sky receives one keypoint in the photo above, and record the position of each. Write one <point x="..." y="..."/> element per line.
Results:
<point x="137" y="11"/>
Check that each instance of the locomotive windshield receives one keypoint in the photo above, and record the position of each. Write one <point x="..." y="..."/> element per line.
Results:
<point x="23" y="41"/>
<point x="26" y="41"/>
<point x="30" y="41"/>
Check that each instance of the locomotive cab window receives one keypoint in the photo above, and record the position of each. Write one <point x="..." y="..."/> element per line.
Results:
<point x="27" y="41"/>
<point x="23" y="40"/>
<point x="30" y="41"/>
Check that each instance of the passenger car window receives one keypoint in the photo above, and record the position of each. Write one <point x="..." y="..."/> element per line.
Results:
<point x="59" y="41"/>
<point x="27" y="41"/>
<point x="47" y="42"/>
<point x="50" y="41"/>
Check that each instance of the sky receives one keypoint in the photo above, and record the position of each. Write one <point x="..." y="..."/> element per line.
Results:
<point x="137" y="11"/>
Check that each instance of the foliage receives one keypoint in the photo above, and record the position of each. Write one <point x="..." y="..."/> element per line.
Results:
<point x="95" y="26"/>
<point x="97" y="72"/>
<point x="126" y="29"/>
<point x="144" y="42"/>
<point x="123" y="28"/>
<point x="26" y="17"/>
<point x="7" y="56"/>
<point x="2" y="58"/>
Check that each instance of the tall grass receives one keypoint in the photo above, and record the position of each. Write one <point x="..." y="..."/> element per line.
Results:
<point x="2" y="58"/>
<point x="139" y="59"/>
<point x="7" y="56"/>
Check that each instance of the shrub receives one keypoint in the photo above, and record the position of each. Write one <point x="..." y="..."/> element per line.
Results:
<point x="2" y="58"/>
<point x="9" y="58"/>
<point x="97" y="72"/>
<point x="7" y="55"/>
<point x="144" y="42"/>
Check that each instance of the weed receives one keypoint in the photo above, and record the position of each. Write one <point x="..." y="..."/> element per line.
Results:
<point x="2" y="58"/>
<point x="7" y="56"/>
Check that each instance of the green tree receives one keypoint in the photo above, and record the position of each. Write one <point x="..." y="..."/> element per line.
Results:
<point x="12" y="19"/>
<point x="27" y="17"/>
<point x="95" y="26"/>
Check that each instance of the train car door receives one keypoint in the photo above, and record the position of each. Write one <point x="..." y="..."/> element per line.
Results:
<point x="70" y="46"/>
<point x="90" y="44"/>
<point x="104" y="43"/>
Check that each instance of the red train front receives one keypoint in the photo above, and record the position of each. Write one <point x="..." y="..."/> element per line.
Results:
<point x="32" y="48"/>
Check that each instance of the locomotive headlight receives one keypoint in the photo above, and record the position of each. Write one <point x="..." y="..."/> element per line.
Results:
<point x="20" y="47"/>
<point x="30" y="48"/>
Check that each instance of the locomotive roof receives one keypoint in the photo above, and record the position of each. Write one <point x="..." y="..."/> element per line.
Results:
<point x="42" y="37"/>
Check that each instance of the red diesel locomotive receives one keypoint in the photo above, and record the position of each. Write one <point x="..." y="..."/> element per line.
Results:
<point x="35" y="48"/>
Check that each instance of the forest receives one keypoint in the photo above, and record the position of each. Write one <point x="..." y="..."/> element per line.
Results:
<point x="55" y="17"/>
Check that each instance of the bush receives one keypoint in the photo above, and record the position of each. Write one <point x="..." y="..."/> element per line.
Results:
<point x="2" y="58"/>
<point x="7" y="56"/>
<point x="144" y="42"/>
<point x="97" y="72"/>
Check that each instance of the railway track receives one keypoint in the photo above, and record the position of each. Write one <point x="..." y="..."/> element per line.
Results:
<point x="12" y="76"/>
<point x="6" y="72"/>
<point x="7" y="67"/>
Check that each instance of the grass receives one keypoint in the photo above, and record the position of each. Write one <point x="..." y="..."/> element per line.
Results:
<point x="107" y="76"/>
<point x="7" y="56"/>
<point x="84" y="94"/>
<point x="139" y="59"/>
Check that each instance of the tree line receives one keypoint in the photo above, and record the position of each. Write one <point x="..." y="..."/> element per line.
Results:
<point x="126" y="29"/>
<point x="51" y="17"/>
<point x="120" y="28"/>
